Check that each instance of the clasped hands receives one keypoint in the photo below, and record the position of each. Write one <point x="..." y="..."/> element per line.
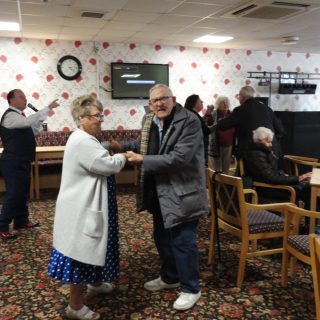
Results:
<point x="134" y="158"/>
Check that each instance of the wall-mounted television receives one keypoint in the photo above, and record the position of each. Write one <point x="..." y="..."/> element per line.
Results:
<point x="134" y="80"/>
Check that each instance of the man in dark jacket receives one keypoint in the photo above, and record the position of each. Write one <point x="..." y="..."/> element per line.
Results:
<point x="261" y="164"/>
<point x="173" y="186"/>
<point x="19" y="147"/>
<point x="250" y="115"/>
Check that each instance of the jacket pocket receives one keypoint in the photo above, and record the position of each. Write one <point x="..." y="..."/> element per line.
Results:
<point x="93" y="225"/>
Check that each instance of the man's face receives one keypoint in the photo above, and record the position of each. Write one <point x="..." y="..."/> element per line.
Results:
<point x="19" y="100"/>
<point x="161" y="102"/>
<point x="241" y="98"/>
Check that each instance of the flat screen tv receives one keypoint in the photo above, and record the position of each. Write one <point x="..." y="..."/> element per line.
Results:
<point x="133" y="80"/>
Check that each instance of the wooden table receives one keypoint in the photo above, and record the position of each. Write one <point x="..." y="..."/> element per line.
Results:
<point x="42" y="153"/>
<point x="315" y="193"/>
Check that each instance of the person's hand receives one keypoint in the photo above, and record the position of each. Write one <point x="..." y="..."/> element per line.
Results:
<point x="134" y="158"/>
<point x="54" y="104"/>
<point x="305" y="176"/>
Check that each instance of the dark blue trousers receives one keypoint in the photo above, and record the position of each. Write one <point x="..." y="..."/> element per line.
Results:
<point x="16" y="174"/>
<point x="178" y="252"/>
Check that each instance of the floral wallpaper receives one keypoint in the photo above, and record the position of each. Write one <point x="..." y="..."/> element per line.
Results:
<point x="31" y="65"/>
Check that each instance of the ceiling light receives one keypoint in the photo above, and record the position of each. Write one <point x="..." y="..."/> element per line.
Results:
<point x="9" y="26"/>
<point x="212" y="39"/>
<point x="289" y="40"/>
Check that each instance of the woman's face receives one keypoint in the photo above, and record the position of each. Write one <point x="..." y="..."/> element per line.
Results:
<point x="91" y="123"/>
<point x="223" y="106"/>
<point x="267" y="142"/>
<point x="198" y="106"/>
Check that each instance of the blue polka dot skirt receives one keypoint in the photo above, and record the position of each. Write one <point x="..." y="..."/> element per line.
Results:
<point x="71" y="271"/>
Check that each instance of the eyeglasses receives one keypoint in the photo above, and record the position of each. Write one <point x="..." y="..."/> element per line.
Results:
<point x="98" y="116"/>
<point x="161" y="99"/>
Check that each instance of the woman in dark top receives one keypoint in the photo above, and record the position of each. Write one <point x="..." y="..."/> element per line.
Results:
<point x="261" y="164"/>
<point x="195" y="104"/>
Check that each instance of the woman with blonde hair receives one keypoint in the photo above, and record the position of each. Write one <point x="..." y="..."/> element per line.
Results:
<point x="220" y="142"/>
<point x="85" y="237"/>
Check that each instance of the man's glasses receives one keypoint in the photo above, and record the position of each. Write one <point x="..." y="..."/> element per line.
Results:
<point x="161" y="99"/>
<point x="98" y="116"/>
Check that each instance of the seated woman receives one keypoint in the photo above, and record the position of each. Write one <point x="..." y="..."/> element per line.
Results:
<point x="261" y="164"/>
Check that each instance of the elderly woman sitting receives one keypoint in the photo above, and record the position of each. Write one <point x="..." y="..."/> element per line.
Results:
<point x="261" y="164"/>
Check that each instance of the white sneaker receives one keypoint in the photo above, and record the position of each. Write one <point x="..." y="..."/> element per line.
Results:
<point x="158" y="284"/>
<point x="102" y="289"/>
<point x="186" y="300"/>
<point x="82" y="314"/>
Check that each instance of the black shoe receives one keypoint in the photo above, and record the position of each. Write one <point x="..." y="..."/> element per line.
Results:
<point x="5" y="235"/>
<point x="28" y="225"/>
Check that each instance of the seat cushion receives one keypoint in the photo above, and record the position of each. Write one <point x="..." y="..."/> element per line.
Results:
<point x="300" y="243"/>
<point x="264" y="221"/>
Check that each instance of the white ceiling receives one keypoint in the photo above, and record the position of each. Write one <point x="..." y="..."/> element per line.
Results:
<point x="166" y="22"/>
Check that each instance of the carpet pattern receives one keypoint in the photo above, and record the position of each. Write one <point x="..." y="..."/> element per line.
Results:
<point x="26" y="292"/>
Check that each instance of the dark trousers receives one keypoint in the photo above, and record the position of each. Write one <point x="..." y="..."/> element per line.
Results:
<point x="16" y="174"/>
<point x="178" y="252"/>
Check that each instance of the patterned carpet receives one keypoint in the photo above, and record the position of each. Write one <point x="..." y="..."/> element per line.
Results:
<point x="27" y="293"/>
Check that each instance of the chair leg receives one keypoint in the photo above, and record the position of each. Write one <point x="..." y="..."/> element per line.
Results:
<point x="242" y="262"/>
<point x="293" y="266"/>
<point x="212" y="245"/>
<point x="284" y="268"/>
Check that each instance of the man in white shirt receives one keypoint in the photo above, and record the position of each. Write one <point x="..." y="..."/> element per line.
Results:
<point x="19" y="146"/>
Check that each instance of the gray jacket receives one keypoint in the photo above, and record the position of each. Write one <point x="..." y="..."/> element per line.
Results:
<point x="179" y="170"/>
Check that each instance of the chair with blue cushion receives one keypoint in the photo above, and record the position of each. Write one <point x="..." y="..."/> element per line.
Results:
<point x="299" y="247"/>
<point x="249" y="222"/>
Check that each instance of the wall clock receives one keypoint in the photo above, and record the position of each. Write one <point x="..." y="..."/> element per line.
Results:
<point x="69" y="67"/>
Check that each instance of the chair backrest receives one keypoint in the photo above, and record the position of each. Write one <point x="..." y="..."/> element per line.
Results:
<point x="228" y="198"/>
<point x="315" y="264"/>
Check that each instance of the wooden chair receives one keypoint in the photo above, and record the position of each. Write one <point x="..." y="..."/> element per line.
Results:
<point x="255" y="184"/>
<point x="249" y="222"/>
<point x="297" y="246"/>
<point x="315" y="265"/>
<point x="295" y="164"/>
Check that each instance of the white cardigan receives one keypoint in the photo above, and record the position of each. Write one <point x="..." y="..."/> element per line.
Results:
<point x="81" y="218"/>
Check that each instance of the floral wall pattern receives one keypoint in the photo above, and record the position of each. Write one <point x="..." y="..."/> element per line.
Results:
<point x="30" y="65"/>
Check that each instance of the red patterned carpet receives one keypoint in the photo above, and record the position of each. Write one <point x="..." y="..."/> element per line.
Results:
<point x="26" y="292"/>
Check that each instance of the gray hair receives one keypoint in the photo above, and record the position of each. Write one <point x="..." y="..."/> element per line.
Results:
<point x="81" y="106"/>
<point x="262" y="133"/>
<point x="160" y="85"/>
<point x="247" y="92"/>
<point x="222" y="99"/>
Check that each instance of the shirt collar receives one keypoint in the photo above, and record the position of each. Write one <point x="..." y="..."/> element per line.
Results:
<point x="15" y="109"/>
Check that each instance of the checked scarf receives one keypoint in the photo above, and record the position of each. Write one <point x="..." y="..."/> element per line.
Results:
<point x="145" y="135"/>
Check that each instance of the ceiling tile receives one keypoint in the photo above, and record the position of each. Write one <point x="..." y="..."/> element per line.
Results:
<point x="8" y="7"/>
<point x="119" y="25"/>
<point x="84" y="22"/>
<point x="43" y="9"/>
<point x="174" y="20"/>
<point x="42" y="21"/>
<point x="40" y="35"/>
<point x="99" y="5"/>
<point x="35" y="28"/>
<point x="156" y="6"/>
<point x="131" y="16"/>
<point x="196" y="10"/>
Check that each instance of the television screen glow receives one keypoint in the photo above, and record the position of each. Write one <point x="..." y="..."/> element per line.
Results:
<point x="134" y="80"/>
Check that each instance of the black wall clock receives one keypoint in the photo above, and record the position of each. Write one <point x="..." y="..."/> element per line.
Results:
<point x="69" y="67"/>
